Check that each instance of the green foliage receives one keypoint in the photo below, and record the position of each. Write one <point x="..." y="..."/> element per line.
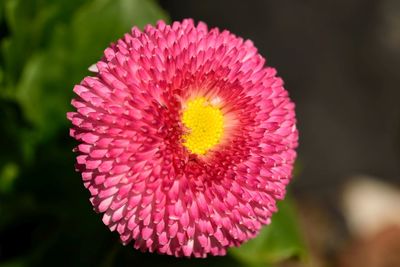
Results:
<point x="277" y="242"/>
<point x="46" y="47"/>
<point x="51" y="45"/>
<point x="7" y="176"/>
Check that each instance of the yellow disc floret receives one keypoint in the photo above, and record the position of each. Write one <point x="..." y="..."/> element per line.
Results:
<point x="205" y="123"/>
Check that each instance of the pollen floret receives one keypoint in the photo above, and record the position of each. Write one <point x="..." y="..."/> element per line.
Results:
<point x="186" y="139"/>
<point x="205" y="124"/>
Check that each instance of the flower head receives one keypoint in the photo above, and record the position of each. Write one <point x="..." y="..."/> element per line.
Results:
<point x="186" y="139"/>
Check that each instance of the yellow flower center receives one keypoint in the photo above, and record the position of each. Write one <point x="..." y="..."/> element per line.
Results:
<point x="205" y="123"/>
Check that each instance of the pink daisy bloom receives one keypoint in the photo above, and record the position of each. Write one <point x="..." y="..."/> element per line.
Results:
<point x="186" y="140"/>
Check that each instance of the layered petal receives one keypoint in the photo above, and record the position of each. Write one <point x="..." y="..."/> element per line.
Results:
<point x="128" y="121"/>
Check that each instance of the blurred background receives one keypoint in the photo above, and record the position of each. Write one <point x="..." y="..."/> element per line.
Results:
<point x="340" y="61"/>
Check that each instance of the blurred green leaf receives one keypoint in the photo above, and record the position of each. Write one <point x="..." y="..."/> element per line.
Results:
<point x="42" y="95"/>
<point x="8" y="174"/>
<point x="99" y="23"/>
<point x="279" y="241"/>
<point x="30" y="26"/>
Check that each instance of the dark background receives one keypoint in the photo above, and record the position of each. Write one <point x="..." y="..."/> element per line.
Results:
<point x="340" y="61"/>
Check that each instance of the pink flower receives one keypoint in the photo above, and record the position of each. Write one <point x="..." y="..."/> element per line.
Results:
<point x="186" y="140"/>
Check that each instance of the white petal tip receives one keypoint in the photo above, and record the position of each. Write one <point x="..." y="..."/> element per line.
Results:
<point x="93" y="68"/>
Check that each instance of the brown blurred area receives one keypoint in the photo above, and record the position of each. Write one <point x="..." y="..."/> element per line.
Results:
<point x="379" y="250"/>
<point x="340" y="61"/>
